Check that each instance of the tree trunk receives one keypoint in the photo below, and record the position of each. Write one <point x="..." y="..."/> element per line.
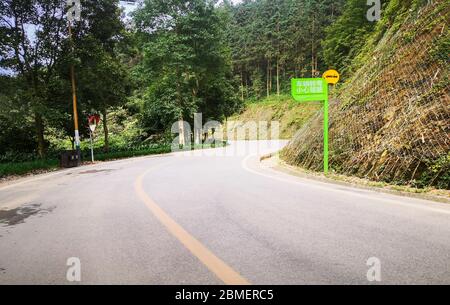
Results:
<point x="270" y="76"/>
<point x="242" y="85"/>
<point x="105" y="129"/>
<point x="313" y="74"/>
<point x="246" y="85"/>
<point x="39" y="125"/>
<point x="278" y="77"/>
<point x="316" y="68"/>
<point x="268" y="79"/>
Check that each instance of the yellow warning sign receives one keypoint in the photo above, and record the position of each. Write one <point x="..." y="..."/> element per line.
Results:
<point x="331" y="76"/>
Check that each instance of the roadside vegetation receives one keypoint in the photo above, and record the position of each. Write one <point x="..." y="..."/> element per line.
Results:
<point x="142" y="75"/>
<point x="390" y="118"/>
<point x="171" y="59"/>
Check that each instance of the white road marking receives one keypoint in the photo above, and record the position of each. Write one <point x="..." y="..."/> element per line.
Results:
<point x="320" y="185"/>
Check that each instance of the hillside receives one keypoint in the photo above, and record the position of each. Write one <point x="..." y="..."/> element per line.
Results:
<point x="290" y="114"/>
<point x="390" y="119"/>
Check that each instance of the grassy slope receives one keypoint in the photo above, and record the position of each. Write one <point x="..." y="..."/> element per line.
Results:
<point x="291" y="115"/>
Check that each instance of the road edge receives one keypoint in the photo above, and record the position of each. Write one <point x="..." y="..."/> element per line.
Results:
<point x="285" y="168"/>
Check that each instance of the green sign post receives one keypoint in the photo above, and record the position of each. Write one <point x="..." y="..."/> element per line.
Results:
<point x="314" y="89"/>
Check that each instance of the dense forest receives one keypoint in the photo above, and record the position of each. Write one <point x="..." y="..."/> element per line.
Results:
<point x="36" y="59"/>
<point x="165" y="61"/>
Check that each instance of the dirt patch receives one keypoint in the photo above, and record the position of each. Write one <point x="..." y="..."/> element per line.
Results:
<point x="19" y="215"/>
<point x="95" y="171"/>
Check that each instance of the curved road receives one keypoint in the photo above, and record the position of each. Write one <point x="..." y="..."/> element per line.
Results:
<point x="214" y="218"/>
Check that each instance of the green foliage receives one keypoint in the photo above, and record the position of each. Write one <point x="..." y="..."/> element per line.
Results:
<point x="16" y="129"/>
<point x="258" y="85"/>
<point x="390" y="120"/>
<point x="7" y="169"/>
<point x="274" y="40"/>
<point x="179" y="57"/>
<point x="345" y="37"/>
<point x="437" y="173"/>
<point x="22" y="168"/>
<point x="185" y="66"/>
<point x="122" y="154"/>
<point x="441" y="49"/>
<point x="352" y="37"/>
<point x="35" y="48"/>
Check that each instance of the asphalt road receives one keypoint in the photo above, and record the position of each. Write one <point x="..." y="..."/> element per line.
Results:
<point x="212" y="219"/>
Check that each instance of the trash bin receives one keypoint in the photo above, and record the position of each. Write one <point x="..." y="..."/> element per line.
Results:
<point x="70" y="158"/>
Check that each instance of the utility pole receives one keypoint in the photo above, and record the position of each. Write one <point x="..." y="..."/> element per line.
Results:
<point x="74" y="95"/>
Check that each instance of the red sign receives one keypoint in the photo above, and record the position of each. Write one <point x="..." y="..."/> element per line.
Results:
<point x="93" y="120"/>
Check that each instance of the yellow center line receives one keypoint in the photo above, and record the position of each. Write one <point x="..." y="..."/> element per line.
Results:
<point x="203" y="254"/>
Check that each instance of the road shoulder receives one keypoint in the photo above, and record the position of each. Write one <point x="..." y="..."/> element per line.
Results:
<point x="273" y="162"/>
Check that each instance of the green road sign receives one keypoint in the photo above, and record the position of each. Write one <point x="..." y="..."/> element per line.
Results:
<point x="309" y="89"/>
<point x="314" y="89"/>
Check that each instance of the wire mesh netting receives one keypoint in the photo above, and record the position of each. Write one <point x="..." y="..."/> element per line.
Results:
<point x="391" y="120"/>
